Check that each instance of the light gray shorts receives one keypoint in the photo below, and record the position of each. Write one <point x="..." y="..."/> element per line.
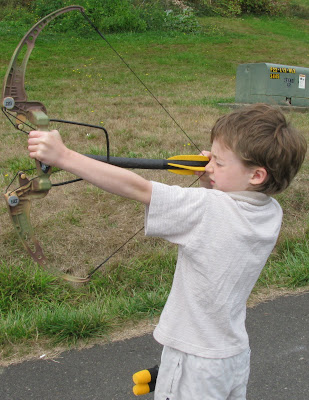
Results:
<point x="187" y="377"/>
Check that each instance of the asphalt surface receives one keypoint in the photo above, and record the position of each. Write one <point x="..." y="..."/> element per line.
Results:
<point x="279" y="339"/>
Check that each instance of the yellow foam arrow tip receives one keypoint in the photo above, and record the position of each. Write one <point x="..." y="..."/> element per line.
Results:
<point x="143" y="376"/>
<point x="140" y="389"/>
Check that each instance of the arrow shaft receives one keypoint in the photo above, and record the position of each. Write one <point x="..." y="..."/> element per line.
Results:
<point x="145" y="163"/>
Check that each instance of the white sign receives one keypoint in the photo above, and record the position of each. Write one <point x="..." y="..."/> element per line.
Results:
<point x="302" y="81"/>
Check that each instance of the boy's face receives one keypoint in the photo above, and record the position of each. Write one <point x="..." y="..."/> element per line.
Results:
<point x="226" y="171"/>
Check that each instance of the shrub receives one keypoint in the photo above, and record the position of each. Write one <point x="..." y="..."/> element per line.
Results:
<point x="259" y="7"/>
<point x="298" y="10"/>
<point x="234" y="8"/>
<point x="108" y="16"/>
<point x="120" y="16"/>
<point x="141" y="15"/>
<point x="184" y="21"/>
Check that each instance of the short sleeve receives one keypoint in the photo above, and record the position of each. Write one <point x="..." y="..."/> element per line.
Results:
<point x="174" y="212"/>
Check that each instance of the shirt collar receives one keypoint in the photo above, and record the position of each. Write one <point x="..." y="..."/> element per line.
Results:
<point x="255" y="198"/>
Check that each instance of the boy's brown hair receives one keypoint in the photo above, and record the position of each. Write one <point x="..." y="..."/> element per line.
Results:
<point x="260" y="135"/>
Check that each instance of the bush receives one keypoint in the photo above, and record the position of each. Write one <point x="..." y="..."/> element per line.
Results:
<point x="108" y="16"/>
<point x="259" y="7"/>
<point x="141" y="15"/>
<point x="184" y="22"/>
<point x="233" y="8"/>
<point x="298" y="10"/>
<point x="116" y="16"/>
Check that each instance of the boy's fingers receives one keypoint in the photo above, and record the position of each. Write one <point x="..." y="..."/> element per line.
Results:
<point x="35" y="137"/>
<point x="205" y="153"/>
<point x="33" y="134"/>
<point x="33" y="141"/>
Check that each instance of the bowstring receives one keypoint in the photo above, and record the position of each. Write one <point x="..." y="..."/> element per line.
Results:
<point x="158" y="102"/>
<point x="139" y="79"/>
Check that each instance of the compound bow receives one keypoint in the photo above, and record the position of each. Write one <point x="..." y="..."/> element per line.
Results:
<point x="14" y="99"/>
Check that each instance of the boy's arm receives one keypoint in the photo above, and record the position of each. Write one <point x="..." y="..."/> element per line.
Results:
<point x="48" y="148"/>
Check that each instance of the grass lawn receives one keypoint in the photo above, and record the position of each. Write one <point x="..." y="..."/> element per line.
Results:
<point x="81" y="79"/>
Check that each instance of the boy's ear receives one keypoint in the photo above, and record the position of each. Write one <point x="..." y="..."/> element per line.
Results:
<point x="258" y="176"/>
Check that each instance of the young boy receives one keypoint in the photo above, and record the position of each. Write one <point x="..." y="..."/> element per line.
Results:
<point x="225" y="231"/>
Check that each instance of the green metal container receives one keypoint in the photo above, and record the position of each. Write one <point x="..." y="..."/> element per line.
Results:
<point x="272" y="84"/>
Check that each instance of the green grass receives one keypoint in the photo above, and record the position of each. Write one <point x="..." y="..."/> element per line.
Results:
<point x="35" y="306"/>
<point x="79" y="78"/>
<point x="289" y="267"/>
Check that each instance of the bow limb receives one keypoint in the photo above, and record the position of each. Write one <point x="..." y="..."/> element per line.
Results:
<point x="14" y="96"/>
<point x="19" y="206"/>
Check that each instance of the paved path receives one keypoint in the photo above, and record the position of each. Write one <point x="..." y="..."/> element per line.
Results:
<point x="279" y="336"/>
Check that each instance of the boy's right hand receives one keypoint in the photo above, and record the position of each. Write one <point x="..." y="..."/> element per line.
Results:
<point x="204" y="177"/>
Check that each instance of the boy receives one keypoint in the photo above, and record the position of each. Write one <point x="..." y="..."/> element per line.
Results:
<point x="225" y="231"/>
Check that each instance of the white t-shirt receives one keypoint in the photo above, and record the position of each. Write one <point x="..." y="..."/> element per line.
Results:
<point x="224" y="240"/>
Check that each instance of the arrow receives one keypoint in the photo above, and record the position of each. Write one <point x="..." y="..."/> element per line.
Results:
<point x="182" y="165"/>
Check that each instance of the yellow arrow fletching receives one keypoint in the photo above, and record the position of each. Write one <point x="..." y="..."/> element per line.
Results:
<point x="189" y="157"/>
<point x="181" y="171"/>
<point x="187" y="169"/>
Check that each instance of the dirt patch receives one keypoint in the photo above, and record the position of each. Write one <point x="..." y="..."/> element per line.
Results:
<point x="269" y="294"/>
